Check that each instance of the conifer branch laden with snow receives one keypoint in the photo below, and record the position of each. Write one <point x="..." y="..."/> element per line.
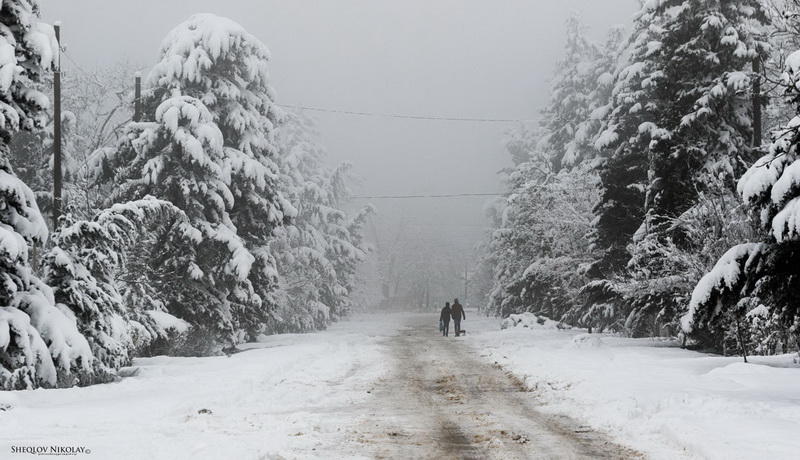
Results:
<point x="121" y="308"/>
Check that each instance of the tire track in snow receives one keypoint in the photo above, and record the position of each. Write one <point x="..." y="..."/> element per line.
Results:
<point x="443" y="401"/>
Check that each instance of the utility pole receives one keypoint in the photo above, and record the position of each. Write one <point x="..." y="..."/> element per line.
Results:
<point x="137" y="98"/>
<point x="57" y="176"/>
<point x="466" y="280"/>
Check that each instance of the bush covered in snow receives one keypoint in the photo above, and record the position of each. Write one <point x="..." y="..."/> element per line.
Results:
<point x="108" y="273"/>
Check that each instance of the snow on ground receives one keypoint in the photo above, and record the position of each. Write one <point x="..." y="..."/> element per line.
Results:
<point x="296" y="396"/>
<point x="279" y="399"/>
<point x="657" y="398"/>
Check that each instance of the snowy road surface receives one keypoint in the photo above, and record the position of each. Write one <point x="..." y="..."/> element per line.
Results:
<point x="379" y="386"/>
<point x="442" y="400"/>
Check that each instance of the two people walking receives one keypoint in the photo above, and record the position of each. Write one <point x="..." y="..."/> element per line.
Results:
<point x="457" y="313"/>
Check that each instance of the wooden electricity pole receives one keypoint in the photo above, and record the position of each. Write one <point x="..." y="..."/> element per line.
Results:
<point x="57" y="176"/>
<point x="466" y="280"/>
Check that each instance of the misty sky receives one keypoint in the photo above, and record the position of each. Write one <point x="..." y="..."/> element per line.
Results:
<point x="455" y="58"/>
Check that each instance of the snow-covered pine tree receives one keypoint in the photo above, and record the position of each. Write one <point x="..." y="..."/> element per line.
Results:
<point x="702" y="57"/>
<point x="616" y="98"/>
<point x="318" y="253"/>
<point x="39" y="343"/>
<point x="580" y="97"/>
<point x="759" y="279"/>
<point x="509" y="245"/>
<point x="216" y="61"/>
<point x="180" y="158"/>
<point x="682" y="114"/>
<point x="699" y="141"/>
<point x="540" y="245"/>
<point x="569" y="102"/>
<point x="345" y="239"/>
<point x="623" y="169"/>
<point x="574" y="119"/>
<point x="301" y="247"/>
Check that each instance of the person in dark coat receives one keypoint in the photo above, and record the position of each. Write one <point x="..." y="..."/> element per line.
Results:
<point x="457" y="311"/>
<point x="444" y="318"/>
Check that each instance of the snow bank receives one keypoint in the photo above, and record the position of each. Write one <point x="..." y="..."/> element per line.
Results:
<point x="281" y="398"/>
<point x="664" y="401"/>
<point x="531" y="320"/>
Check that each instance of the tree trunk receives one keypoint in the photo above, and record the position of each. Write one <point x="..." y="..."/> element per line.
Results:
<point x="757" y="107"/>
<point x="740" y="338"/>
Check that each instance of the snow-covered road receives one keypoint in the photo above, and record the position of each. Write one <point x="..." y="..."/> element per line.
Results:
<point x="377" y="386"/>
<point x="442" y="400"/>
<point x="388" y="386"/>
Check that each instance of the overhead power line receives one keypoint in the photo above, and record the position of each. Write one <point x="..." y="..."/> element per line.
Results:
<point x="461" y="195"/>
<point x="408" y="116"/>
<point x="353" y="112"/>
<point x="452" y="195"/>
